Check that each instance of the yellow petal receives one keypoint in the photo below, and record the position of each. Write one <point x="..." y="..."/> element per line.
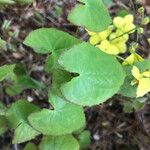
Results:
<point x="104" y="44"/>
<point x="129" y="27"/>
<point x="136" y="72"/>
<point x="129" y="60"/>
<point x="91" y="33"/>
<point x="138" y="57"/>
<point x="143" y="87"/>
<point x="122" y="47"/>
<point x="146" y="74"/>
<point x="95" y="39"/>
<point x="112" y="49"/>
<point x="104" y="34"/>
<point x="129" y="19"/>
<point x="118" y="22"/>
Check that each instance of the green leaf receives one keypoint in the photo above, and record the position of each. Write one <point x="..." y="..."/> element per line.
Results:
<point x="66" y="142"/>
<point x="2" y="42"/>
<point x="122" y="13"/>
<point x="2" y="109"/>
<point x="100" y="75"/>
<point x="127" y="89"/>
<point x="108" y="2"/>
<point x="50" y="63"/>
<point x="24" y="1"/>
<point x="47" y="40"/>
<point x="6" y="2"/>
<point x="133" y="104"/>
<point x="30" y="146"/>
<point x="6" y="71"/>
<point x="84" y="139"/>
<point x="29" y="83"/>
<point x="20" y="70"/>
<point x="92" y="15"/>
<point x="59" y="77"/>
<point x="17" y="119"/>
<point x="137" y="105"/>
<point x="64" y="119"/>
<point x="50" y="40"/>
<point x="3" y="124"/>
<point x="13" y="90"/>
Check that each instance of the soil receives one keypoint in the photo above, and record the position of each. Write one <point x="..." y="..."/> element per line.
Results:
<point x="110" y="127"/>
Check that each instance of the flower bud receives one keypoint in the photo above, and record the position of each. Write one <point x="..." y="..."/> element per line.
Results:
<point x="141" y="10"/>
<point x="145" y="21"/>
<point x="140" y="30"/>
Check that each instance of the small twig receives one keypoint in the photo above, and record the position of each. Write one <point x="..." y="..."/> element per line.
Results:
<point x="122" y="5"/>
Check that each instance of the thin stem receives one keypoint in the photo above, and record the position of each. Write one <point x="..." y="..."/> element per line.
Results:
<point x="121" y="58"/>
<point x="124" y="60"/>
<point x="123" y="34"/>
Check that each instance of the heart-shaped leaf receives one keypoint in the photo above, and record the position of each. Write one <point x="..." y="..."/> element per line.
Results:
<point x="47" y="40"/>
<point x="92" y="14"/>
<point x="100" y="75"/>
<point x="50" y="40"/>
<point x="17" y="119"/>
<point x="64" y="119"/>
<point x="66" y="142"/>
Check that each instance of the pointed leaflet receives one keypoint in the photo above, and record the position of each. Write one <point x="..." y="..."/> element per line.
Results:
<point x="100" y="75"/>
<point x="66" y="142"/>
<point x="92" y="14"/>
<point x="17" y="119"/>
<point x="64" y="119"/>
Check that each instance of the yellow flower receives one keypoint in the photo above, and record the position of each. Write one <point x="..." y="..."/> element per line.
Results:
<point x="131" y="59"/>
<point x="108" y="48"/>
<point x="97" y="37"/>
<point x="90" y="32"/>
<point x="143" y="81"/>
<point x="118" y="22"/>
<point x="94" y="39"/>
<point x="129" y="27"/>
<point x="129" y="19"/>
<point x="104" y="34"/>
<point x="122" y="47"/>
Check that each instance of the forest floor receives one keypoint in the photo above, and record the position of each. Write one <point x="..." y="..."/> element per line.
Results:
<point x="111" y="128"/>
